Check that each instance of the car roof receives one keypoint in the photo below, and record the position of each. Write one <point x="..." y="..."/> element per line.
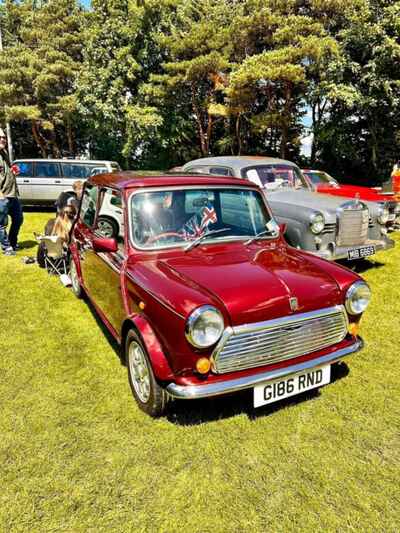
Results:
<point x="74" y="161"/>
<point x="240" y="161"/>
<point x="137" y="179"/>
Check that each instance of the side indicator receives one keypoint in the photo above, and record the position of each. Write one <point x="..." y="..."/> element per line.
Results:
<point x="203" y="365"/>
<point x="142" y="305"/>
<point x="354" y="329"/>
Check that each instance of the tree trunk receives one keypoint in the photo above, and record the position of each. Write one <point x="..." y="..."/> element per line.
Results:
<point x="70" y="138"/>
<point x="202" y="134"/>
<point x="286" y="122"/>
<point x="238" y="137"/>
<point x="39" y="140"/>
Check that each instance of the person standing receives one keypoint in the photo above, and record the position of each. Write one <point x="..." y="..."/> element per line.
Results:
<point x="9" y="196"/>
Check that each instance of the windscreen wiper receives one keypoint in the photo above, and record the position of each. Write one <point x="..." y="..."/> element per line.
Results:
<point x="261" y="234"/>
<point x="199" y="239"/>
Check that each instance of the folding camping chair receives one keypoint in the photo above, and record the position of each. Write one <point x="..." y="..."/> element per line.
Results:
<point x="55" y="256"/>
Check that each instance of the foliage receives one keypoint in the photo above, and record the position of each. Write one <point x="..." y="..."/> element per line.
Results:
<point x="38" y="68"/>
<point x="156" y="83"/>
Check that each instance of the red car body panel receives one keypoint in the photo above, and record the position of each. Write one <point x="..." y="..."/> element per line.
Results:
<point x="350" y="191"/>
<point x="155" y="291"/>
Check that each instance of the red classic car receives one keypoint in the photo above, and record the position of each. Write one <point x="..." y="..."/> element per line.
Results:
<point x="324" y="183"/>
<point x="203" y="293"/>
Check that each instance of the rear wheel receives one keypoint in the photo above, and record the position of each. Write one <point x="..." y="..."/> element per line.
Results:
<point x="75" y="283"/>
<point x="149" y="396"/>
<point x="108" y="227"/>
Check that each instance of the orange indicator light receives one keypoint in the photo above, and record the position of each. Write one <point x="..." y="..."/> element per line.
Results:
<point x="353" y="328"/>
<point x="142" y="305"/>
<point x="203" y="365"/>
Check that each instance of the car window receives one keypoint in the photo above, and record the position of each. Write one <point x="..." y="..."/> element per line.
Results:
<point x="173" y="217"/>
<point x="47" y="170"/>
<point x="88" y="205"/>
<point x="25" y="169"/>
<point x="110" y="221"/>
<point x="275" y="176"/>
<point x="242" y="209"/>
<point x="79" y="171"/>
<point x="221" y="171"/>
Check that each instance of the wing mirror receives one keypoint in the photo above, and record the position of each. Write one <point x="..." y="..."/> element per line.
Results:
<point x="103" y="244"/>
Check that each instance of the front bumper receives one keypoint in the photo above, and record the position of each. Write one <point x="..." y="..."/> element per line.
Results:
<point x="341" y="252"/>
<point x="192" y="392"/>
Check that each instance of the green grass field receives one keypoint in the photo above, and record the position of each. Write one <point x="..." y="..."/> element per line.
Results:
<point x="77" y="455"/>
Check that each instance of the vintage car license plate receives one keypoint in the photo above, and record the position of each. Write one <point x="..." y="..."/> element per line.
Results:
<point x="359" y="253"/>
<point x="293" y="384"/>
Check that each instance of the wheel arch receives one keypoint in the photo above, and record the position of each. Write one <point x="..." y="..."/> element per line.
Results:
<point x="159" y="362"/>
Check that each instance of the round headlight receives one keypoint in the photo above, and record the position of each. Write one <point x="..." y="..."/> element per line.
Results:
<point x="383" y="216"/>
<point x="358" y="296"/>
<point x="317" y="223"/>
<point x="204" y="326"/>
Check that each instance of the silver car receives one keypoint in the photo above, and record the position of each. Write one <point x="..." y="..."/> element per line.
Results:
<point x="330" y="227"/>
<point x="41" y="181"/>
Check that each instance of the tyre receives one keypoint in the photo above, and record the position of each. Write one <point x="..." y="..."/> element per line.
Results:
<point x="149" y="396"/>
<point x="108" y="227"/>
<point x="75" y="283"/>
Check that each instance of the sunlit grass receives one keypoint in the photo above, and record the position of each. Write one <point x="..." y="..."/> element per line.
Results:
<point x="77" y="455"/>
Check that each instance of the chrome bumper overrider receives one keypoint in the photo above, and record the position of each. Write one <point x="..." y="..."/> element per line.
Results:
<point x="192" y="392"/>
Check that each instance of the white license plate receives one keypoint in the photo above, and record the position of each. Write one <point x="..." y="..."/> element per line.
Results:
<point x="359" y="253"/>
<point x="278" y="389"/>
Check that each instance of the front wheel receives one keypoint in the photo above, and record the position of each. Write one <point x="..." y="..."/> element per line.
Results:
<point x="150" y="397"/>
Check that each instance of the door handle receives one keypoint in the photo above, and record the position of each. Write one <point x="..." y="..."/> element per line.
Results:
<point x="57" y="181"/>
<point x="26" y="181"/>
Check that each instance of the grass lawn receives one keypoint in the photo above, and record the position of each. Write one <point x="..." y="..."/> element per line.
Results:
<point x="77" y="455"/>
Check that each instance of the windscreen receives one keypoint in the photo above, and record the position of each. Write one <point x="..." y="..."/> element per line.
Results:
<point x="320" y="178"/>
<point x="166" y="218"/>
<point x="275" y="176"/>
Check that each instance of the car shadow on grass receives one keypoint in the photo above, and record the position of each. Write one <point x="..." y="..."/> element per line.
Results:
<point x="111" y="340"/>
<point x="361" y="265"/>
<point x="196" y="412"/>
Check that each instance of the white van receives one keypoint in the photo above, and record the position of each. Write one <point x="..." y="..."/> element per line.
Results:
<point x="41" y="181"/>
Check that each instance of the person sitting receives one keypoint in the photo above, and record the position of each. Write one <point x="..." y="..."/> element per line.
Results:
<point x="70" y="197"/>
<point x="59" y="226"/>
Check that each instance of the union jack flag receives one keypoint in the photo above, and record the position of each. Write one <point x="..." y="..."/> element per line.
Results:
<point x="197" y="225"/>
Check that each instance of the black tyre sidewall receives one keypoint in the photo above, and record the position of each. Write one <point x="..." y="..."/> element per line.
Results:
<point x="78" y="293"/>
<point x="158" y="399"/>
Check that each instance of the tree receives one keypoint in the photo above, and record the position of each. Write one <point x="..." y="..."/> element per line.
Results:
<point x="43" y="46"/>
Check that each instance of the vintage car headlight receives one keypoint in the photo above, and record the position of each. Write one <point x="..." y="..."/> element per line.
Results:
<point x="204" y="326"/>
<point x="358" y="296"/>
<point x="383" y="216"/>
<point x="317" y="223"/>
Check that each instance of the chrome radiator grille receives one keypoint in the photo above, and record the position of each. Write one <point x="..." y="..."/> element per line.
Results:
<point x="352" y="226"/>
<point x="277" y="340"/>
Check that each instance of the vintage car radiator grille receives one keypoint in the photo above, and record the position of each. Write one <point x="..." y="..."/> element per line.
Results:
<point x="277" y="340"/>
<point x="352" y="226"/>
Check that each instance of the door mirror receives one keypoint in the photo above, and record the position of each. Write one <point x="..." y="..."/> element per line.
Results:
<point x="103" y="244"/>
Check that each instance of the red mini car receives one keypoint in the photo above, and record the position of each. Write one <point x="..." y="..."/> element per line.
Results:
<point x="324" y="183"/>
<point x="203" y="293"/>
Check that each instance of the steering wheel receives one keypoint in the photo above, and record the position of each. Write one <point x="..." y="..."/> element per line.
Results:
<point x="164" y="235"/>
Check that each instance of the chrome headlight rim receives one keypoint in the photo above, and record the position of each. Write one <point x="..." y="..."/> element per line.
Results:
<point x="351" y="293"/>
<point x="397" y="209"/>
<point x="383" y="216"/>
<point x="315" y="219"/>
<point x="192" y="320"/>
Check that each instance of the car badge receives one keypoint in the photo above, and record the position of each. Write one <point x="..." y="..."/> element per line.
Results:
<point x="294" y="303"/>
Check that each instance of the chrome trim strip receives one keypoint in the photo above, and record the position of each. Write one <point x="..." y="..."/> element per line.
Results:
<point x="192" y="392"/>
